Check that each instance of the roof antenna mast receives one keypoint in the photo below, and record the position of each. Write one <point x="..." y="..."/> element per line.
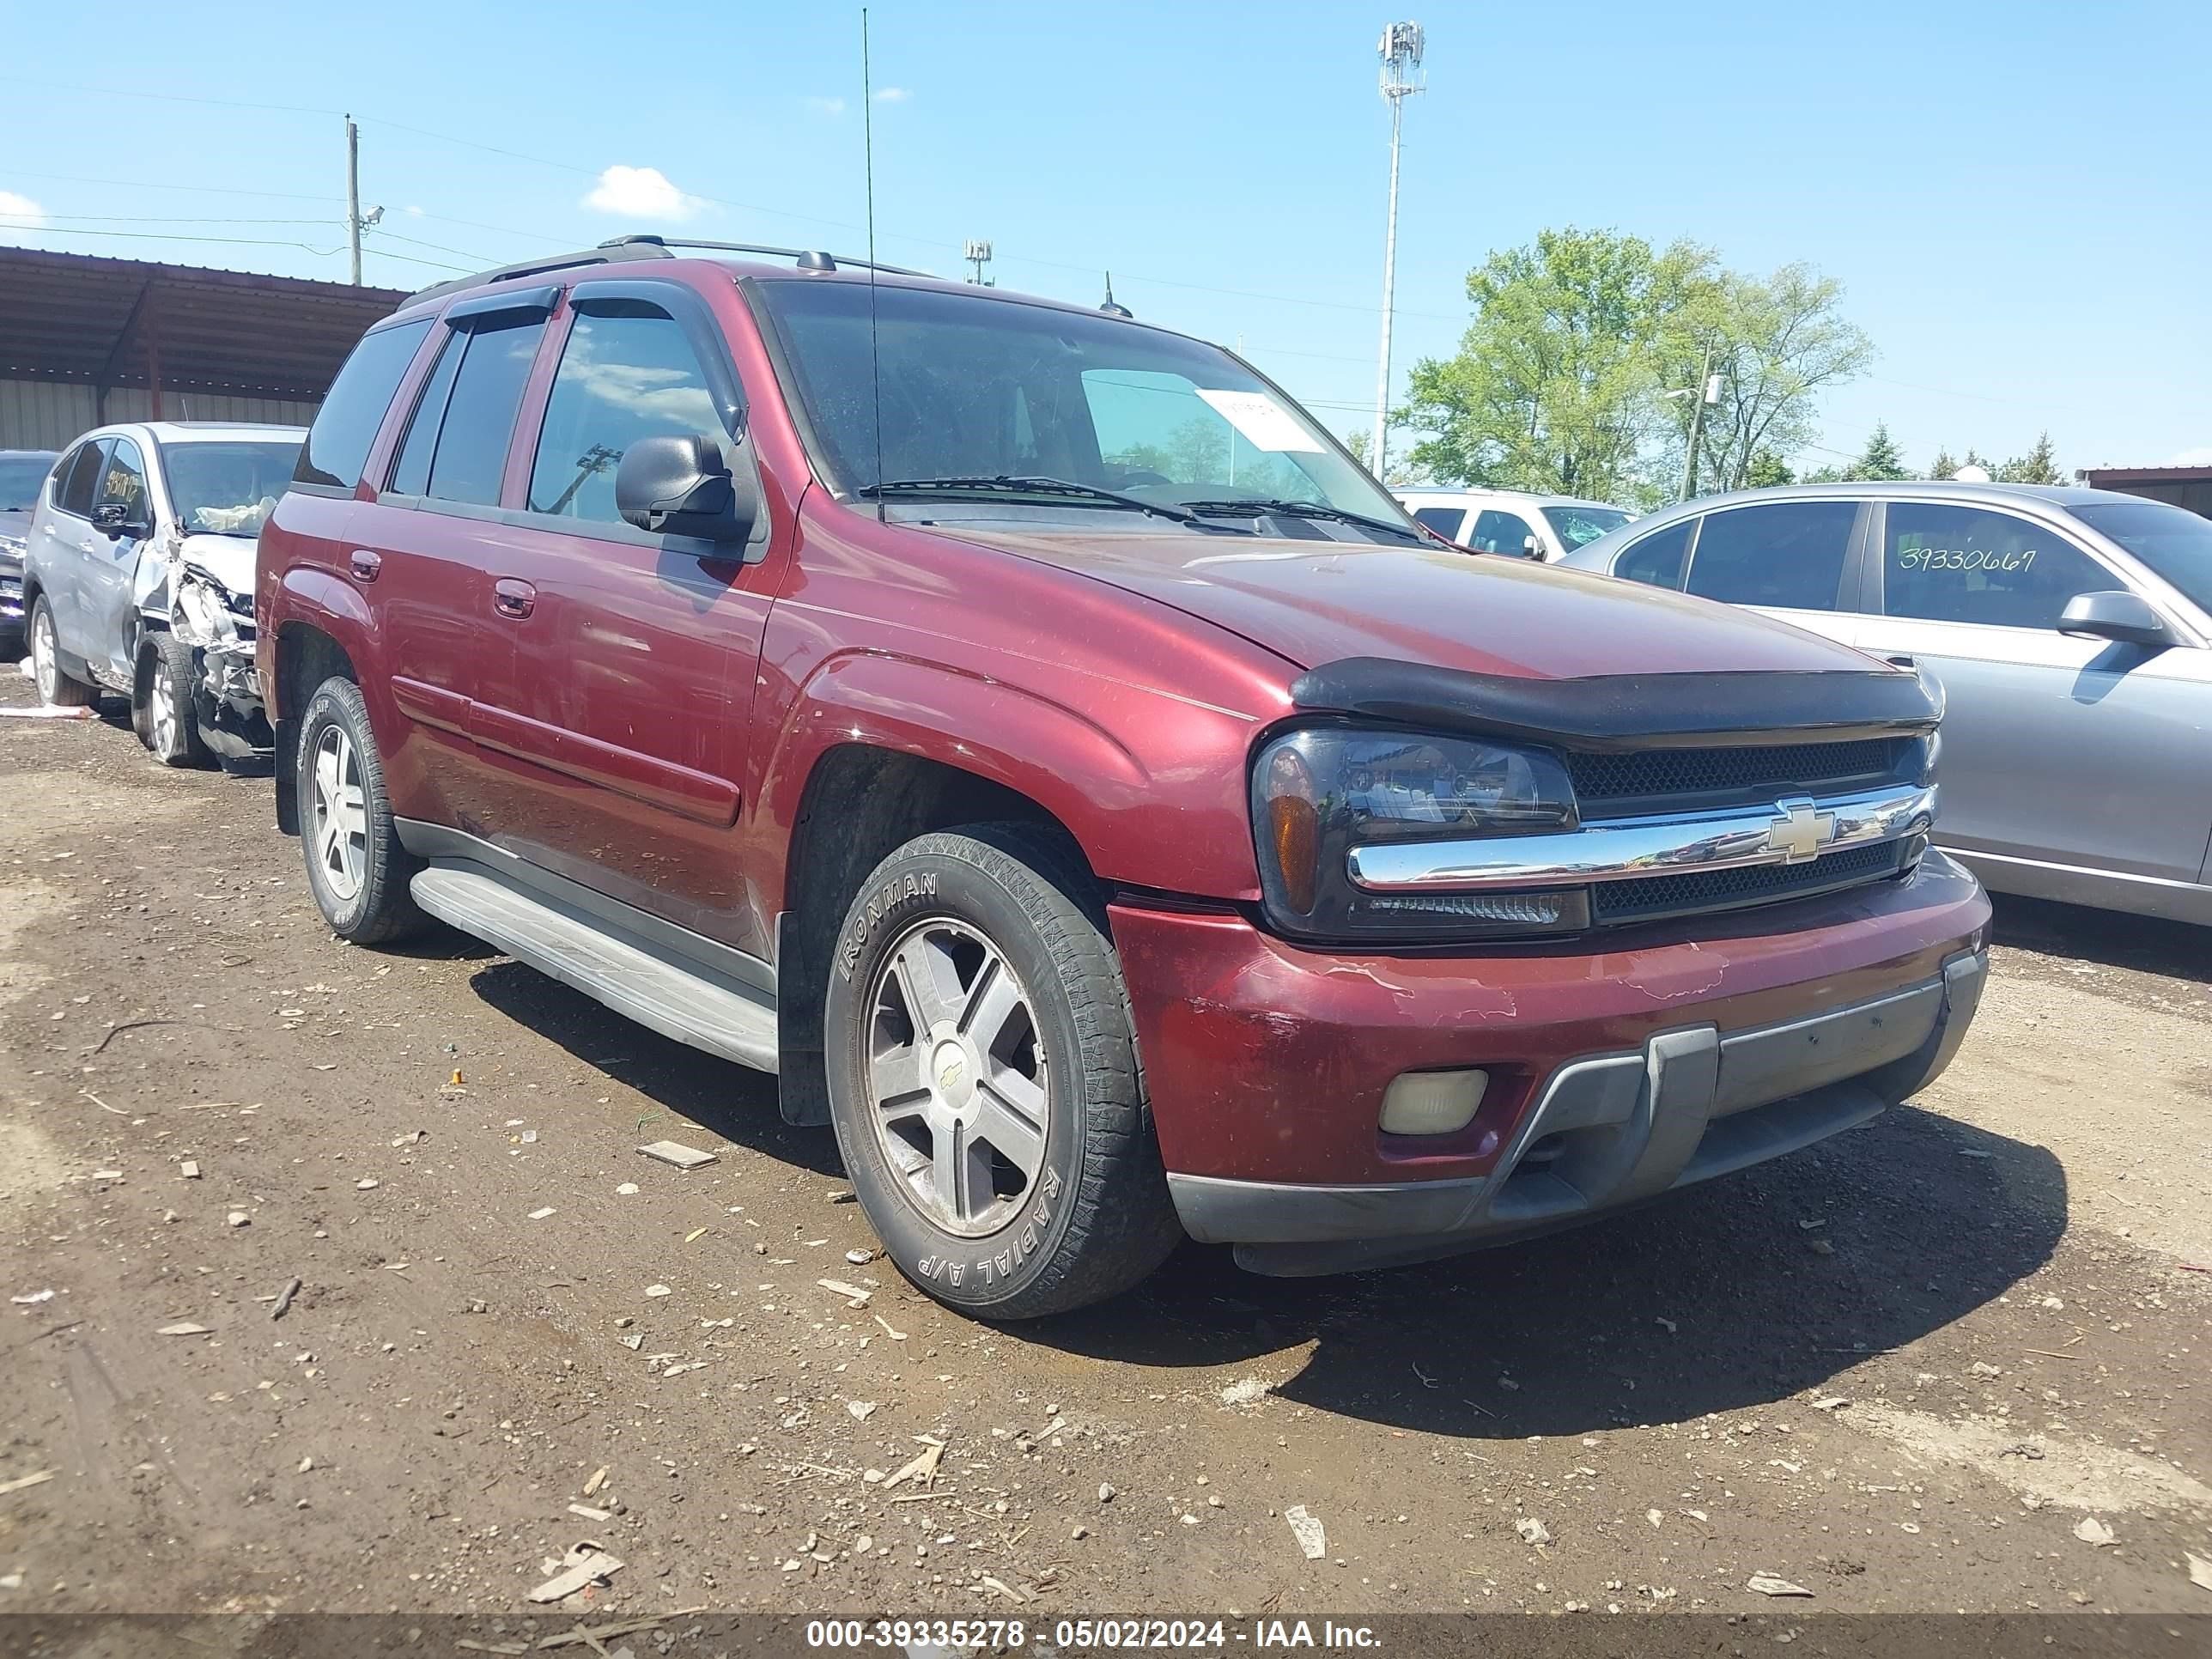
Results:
<point x="868" y="163"/>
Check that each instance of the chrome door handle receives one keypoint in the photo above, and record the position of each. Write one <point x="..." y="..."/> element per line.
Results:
<point x="365" y="565"/>
<point x="511" y="598"/>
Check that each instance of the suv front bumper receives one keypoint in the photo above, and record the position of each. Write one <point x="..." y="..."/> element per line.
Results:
<point x="1617" y="1075"/>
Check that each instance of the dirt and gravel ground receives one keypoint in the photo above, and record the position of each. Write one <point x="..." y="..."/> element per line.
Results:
<point x="1905" y="1370"/>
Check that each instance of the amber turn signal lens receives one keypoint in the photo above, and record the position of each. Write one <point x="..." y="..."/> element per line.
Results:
<point x="1295" y="828"/>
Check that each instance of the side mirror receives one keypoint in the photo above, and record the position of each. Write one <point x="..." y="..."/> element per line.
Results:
<point x="1532" y="548"/>
<point x="113" y="521"/>
<point x="672" y="486"/>
<point x="2118" y="614"/>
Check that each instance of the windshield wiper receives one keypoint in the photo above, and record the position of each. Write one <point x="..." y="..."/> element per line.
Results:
<point x="1259" y="508"/>
<point x="1005" y="485"/>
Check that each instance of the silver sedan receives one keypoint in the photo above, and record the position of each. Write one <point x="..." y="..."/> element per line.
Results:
<point x="2071" y="630"/>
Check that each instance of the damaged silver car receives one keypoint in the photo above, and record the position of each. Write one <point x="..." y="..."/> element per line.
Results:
<point x="138" y="581"/>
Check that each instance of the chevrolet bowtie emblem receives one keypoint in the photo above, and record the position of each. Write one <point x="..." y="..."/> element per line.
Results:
<point x="948" y="1077"/>
<point x="1801" y="830"/>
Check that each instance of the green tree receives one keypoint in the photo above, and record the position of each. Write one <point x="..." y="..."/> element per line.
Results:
<point x="1778" y="342"/>
<point x="1766" y="470"/>
<point x="1880" y="459"/>
<point x="2039" y="466"/>
<point x="1553" y="386"/>
<point x="1942" y="466"/>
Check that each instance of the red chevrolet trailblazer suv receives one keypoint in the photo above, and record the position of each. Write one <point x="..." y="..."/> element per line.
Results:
<point x="1033" y="738"/>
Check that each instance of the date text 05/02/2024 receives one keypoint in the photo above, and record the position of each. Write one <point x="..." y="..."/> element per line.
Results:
<point x="1099" y="1634"/>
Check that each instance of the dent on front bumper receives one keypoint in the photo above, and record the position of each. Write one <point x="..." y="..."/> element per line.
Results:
<point x="1617" y="1075"/>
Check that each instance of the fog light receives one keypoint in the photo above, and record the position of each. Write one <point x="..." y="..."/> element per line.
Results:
<point x="1433" y="1102"/>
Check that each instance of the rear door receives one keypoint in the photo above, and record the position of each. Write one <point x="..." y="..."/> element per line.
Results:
<point x="621" y="723"/>
<point x="107" y="624"/>
<point x="61" y="540"/>
<point x="2055" y="749"/>
<point x="423" y="550"/>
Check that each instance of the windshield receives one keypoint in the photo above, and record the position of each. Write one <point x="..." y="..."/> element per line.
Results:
<point x="979" y="388"/>
<point x="20" y="478"/>
<point x="2173" y="542"/>
<point x="228" y="487"/>
<point x="1578" y="526"/>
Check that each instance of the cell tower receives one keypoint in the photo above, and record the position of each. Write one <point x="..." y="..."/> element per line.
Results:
<point x="978" y="254"/>
<point x="1400" y="51"/>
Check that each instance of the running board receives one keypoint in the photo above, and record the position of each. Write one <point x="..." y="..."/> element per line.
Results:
<point x="680" y="999"/>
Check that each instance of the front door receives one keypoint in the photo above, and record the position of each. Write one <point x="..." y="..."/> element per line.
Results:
<point x="2055" y="749"/>
<point x="622" y="717"/>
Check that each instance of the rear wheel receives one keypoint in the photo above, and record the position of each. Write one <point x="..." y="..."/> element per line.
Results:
<point x="355" y="866"/>
<point x="54" y="683"/>
<point x="169" y="722"/>
<point x="984" y="1078"/>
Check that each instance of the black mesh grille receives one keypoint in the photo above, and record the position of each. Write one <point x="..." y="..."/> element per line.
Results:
<point x="1666" y="774"/>
<point x="1614" y="902"/>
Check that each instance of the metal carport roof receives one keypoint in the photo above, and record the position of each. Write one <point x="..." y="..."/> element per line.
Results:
<point x="101" y="322"/>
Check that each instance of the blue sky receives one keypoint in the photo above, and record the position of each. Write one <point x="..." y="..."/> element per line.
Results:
<point x="2013" y="194"/>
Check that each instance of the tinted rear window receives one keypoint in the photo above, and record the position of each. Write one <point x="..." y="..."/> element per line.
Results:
<point x="338" y="444"/>
<point x="1790" y="555"/>
<point x="74" y="493"/>
<point x="479" y="419"/>
<point x="1656" y="560"/>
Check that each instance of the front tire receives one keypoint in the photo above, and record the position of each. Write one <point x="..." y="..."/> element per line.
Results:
<point x="984" y="1082"/>
<point x="56" y="687"/>
<point x="355" y="866"/>
<point x="169" y="722"/>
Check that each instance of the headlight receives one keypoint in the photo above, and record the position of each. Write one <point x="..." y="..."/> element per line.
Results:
<point x="1316" y="794"/>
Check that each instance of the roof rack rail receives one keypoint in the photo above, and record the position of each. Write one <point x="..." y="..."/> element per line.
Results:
<point x="619" y="248"/>
<point x="808" y="258"/>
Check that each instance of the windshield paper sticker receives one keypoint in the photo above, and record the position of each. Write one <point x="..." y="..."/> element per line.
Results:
<point x="1264" y="422"/>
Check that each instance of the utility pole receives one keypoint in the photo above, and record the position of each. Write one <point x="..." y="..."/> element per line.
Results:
<point x="1400" y="51"/>
<point x="353" y="195"/>
<point x="1708" y="392"/>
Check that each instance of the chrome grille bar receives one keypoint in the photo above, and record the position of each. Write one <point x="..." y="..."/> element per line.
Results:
<point x="1793" y="831"/>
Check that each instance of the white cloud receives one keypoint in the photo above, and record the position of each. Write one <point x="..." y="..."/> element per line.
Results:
<point x="2200" y="456"/>
<point x="20" y="211"/>
<point x="894" y="95"/>
<point x="640" y="193"/>
<point x="825" y="106"/>
<point x="412" y="212"/>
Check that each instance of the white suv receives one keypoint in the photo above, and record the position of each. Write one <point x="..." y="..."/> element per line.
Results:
<point x="138" y="578"/>
<point x="1513" y="521"/>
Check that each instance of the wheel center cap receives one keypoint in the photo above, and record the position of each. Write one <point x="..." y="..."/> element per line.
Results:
<point x="953" y="1072"/>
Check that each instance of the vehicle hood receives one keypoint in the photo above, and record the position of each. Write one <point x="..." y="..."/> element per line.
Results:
<point x="228" y="559"/>
<point x="1321" y="602"/>
<point x="15" y="524"/>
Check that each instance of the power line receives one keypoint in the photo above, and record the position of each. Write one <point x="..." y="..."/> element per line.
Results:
<point x="197" y="189"/>
<point x="159" y="236"/>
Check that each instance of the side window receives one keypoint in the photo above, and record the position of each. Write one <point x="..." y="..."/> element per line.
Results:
<point x="345" y="426"/>
<point x="1657" y="561"/>
<point x="623" y="377"/>
<point x="478" y="418"/>
<point x="410" y="472"/>
<point x="122" y="482"/>
<point x="1500" y="533"/>
<point x="1445" y="520"/>
<point x="1790" y="555"/>
<point x="74" y="492"/>
<point x="1972" y="564"/>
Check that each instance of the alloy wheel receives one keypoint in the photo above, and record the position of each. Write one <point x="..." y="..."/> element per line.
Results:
<point x="162" y="710"/>
<point x="340" y="826"/>
<point x="958" y="1088"/>
<point x="46" y="658"/>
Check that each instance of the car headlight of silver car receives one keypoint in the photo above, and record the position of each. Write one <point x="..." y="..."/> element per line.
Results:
<point x="1318" y="793"/>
